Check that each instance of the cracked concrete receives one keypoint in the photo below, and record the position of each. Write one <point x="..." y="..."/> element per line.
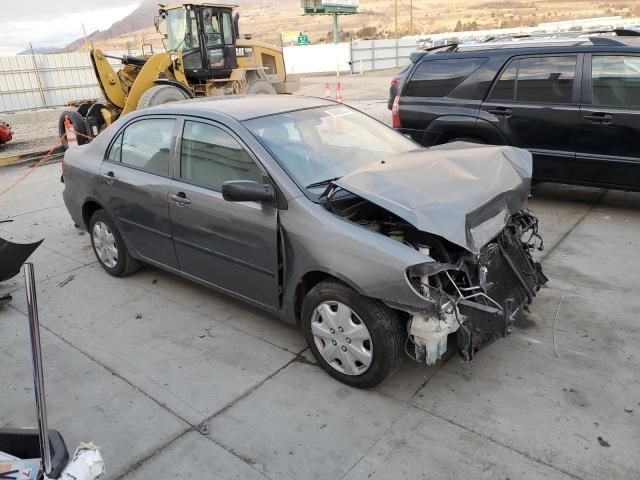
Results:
<point x="136" y="364"/>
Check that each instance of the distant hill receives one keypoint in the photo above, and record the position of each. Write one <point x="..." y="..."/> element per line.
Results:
<point x="266" y="19"/>
<point x="38" y="51"/>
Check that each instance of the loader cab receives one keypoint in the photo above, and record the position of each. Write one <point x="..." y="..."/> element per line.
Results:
<point x="206" y="35"/>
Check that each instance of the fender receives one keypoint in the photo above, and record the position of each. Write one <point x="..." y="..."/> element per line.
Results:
<point x="489" y="133"/>
<point x="177" y="84"/>
<point x="448" y="127"/>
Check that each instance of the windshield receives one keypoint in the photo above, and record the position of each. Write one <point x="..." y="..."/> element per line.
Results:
<point x="181" y="29"/>
<point x="321" y="144"/>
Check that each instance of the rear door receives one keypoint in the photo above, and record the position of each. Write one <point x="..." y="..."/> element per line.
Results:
<point x="535" y="105"/>
<point x="232" y="245"/>
<point x="608" y="151"/>
<point x="134" y="184"/>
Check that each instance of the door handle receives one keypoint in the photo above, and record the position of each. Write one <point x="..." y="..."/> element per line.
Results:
<point x="502" y="112"/>
<point x="109" y="177"/>
<point x="599" y="118"/>
<point x="180" y="198"/>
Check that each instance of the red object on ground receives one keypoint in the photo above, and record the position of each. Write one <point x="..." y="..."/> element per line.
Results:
<point x="6" y="133"/>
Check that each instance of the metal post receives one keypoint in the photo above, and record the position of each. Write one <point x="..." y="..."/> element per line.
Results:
<point x="411" y="17"/>
<point x="395" y="7"/>
<point x="38" y="79"/>
<point x="336" y="31"/>
<point x="36" y="357"/>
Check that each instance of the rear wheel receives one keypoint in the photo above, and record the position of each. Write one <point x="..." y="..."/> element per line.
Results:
<point x="109" y="247"/>
<point x="261" y="87"/>
<point x="161" y="94"/>
<point x="356" y="340"/>
<point x="467" y="139"/>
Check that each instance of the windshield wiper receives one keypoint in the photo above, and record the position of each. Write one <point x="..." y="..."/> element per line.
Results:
<point x="322" y="183"/>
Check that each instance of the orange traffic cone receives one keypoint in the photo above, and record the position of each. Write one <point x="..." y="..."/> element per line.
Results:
<point x="327" y="91"/>
<point x="339" y="93"/>
<point x="70" y="133"/>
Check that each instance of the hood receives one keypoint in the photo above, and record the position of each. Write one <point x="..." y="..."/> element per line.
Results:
<point x="463" y="192"/>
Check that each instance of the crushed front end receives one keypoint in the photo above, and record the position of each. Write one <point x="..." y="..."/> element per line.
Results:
<point x="476" y="295"/>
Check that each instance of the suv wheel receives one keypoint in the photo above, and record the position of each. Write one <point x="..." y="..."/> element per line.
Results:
<point x="109" y="247"/>
<point x="355" y="339"/>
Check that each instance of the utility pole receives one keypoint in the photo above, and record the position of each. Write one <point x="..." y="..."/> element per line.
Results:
<point x="411" y="17"/>
<point x="395" y="8"/>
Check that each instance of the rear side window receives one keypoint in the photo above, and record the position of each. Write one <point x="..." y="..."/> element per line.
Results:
<point x="438" y="78"/>
<point x="615" y="81"/>
<point x="146" y="145"/>
<point x="537" y="80"/>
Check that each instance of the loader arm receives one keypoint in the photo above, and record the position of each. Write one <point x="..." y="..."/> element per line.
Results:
<point x="157" y="66"/>
<point x="107" y="79"/>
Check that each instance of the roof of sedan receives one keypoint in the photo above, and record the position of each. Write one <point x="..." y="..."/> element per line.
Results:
<point x="245" y="107"/>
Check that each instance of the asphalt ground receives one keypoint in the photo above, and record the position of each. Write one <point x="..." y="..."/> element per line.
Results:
<point x="138" y="365"/>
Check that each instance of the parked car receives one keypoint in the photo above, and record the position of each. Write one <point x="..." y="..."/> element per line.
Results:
<point x="6" y="134"/>
<point x="573" y="102"/>
<point x="320" y="215"/>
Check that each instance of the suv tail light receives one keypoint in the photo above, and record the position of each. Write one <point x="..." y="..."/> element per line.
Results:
<point x="395" y="113"/>
<point x="394" y="82"/>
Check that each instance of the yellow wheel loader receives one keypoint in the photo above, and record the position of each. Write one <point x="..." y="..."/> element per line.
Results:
<point x="205" y="57"/>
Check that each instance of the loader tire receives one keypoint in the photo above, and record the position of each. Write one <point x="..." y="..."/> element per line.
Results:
<point x="78" y="125"/>
<point x="261" y="87"/>
<point x="161" y="94"/>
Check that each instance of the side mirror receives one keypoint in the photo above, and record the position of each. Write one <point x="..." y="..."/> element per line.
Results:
<point x="247" y="191"/>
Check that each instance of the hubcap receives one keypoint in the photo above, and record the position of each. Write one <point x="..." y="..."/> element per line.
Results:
<point x="104" y="244"/>
<point x="342" y="338"/>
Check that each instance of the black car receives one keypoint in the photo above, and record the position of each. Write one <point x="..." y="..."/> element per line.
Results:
<point x="573" y="102"/>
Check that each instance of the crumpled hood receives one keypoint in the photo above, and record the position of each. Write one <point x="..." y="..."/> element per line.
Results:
<point x="463" y="192"/>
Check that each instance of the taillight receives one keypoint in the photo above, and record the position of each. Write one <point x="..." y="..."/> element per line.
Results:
<point x="394" y="82"/>
<point x="395" y="113"/>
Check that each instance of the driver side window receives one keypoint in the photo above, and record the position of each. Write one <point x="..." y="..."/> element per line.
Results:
<point x="210" y="157"/>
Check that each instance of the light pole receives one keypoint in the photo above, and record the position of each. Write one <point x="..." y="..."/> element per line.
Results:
<point x="411" y="17"/>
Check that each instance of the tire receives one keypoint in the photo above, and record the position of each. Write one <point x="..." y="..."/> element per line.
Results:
<point x="261" y="87"/>
<point x="386" y="335"/>
<point x="78" y="125"/>
<point x="159" y="95"/>
<point x="125" y="264"/>
<point x="468" y="140"/>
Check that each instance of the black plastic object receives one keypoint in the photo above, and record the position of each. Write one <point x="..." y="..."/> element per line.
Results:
<point x="23" y="443"/>
<point x="13" y="255"/>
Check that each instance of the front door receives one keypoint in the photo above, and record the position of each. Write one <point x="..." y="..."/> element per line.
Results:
<point x="535" y="104"/>
<point x="227" y="244"/>
<point x="608" y="151"/>
<point x="134" y="186"/>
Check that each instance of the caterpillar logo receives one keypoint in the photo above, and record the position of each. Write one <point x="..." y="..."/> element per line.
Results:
<point x="244" y="51"/>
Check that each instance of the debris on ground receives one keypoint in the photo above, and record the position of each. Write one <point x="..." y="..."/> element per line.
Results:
<point x="628" y="409"/>
<point x="603" y="442"/>
<point x="138" y="316"/>
<point x="66" y="280"/>
<point x="155" y="280"/>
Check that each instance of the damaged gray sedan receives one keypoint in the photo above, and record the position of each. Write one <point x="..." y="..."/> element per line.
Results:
<point x="321" y="215"/>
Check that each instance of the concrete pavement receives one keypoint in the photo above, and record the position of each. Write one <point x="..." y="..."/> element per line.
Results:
<point x="137" y="364"/>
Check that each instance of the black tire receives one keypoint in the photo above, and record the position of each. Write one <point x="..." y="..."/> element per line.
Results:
<point x="161" y="94"/>
<point x="384" y="326"/>
<point x="261" y="87"/>
<point x="468" y="140"/>
<point x="78" y="125"/>
<point x="126" y="264"/>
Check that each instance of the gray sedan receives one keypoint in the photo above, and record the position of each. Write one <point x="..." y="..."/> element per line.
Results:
<point x="320" y="215"/>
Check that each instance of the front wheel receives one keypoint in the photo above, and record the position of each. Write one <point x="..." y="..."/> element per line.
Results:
<point x="356" y="340"/>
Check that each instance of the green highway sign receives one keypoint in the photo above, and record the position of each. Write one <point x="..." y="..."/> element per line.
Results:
<point x="303" y="40"/>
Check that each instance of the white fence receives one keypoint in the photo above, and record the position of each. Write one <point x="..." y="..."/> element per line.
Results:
<point x="369" y="55"/>
<point x="40" y="81"/>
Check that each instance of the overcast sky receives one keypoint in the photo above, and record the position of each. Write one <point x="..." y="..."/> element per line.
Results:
<point x="48" y="23"/>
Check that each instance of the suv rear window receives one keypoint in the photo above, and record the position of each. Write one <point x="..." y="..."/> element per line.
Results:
<point x="537" y="80"/>
<point x="438" y="78"/>
<point x="616" y="81"/>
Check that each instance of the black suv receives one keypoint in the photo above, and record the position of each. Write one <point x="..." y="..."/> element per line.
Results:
<point x="573" y="102"/>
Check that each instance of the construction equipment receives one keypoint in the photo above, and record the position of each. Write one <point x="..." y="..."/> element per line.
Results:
<point x="205" y="56"/>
